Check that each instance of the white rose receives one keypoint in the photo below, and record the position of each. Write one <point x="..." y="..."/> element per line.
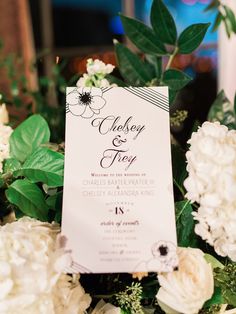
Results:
<point x="186" y="290"/>
<point x="105" y="308"/>
<point x="4" y="117"/>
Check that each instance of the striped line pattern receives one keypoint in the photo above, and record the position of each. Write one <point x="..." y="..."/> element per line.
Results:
<point x="77" y="268"/>
<point x="106" y="89"/>
<point x="150" y="95"/>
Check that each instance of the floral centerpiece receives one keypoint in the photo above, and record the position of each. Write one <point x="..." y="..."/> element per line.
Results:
<point x="33" y="259"/>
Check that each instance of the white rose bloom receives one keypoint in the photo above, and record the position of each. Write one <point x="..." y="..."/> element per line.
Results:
<point x="105" y="308"/>
<point x="212" y="183"/>
<point x="4" y="117"/>
<point x="32" y="262"/>
<point x="5" y="133"/>
<point x="188" y="288"/>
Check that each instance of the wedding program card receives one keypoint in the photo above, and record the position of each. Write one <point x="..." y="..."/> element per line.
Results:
<point x="118" y="208"/>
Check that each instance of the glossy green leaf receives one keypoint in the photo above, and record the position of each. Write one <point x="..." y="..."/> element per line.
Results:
<point x="11" y="164"/>
<point x="163" y="23"/>
<point x="142" y="36"/>
<point x="213" y="261"/>
<point x="156" y="62"/>
<point x="29" y="135"/>
<point x="231" y="17"/>
<point x="44" y="165"/>
<point x="217" y="298"/>
<point x="114" y="80"/>
<point x="175" y="79"/>
<point x="178" y="165"/>
<point x="212" y="5"/>
<point x="131" y="66"/>
<point x="172" y="96"/>
<point x="192" y="37"/>
<point x="185" y="224"/>
<point x="218" y="20"/>
<point x="28" y="197"/>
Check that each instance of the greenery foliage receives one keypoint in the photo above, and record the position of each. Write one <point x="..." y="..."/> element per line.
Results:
<point x="32" y="179"/>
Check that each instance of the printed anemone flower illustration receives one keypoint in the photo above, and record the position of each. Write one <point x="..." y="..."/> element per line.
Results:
<point x="85" y="101"/>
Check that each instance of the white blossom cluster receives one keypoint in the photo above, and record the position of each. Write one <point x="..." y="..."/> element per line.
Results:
<point x="32" y="261"/>
<point x="5" y="133"/>
<point x="95" y="76"/>
<point x="212" y="183"/>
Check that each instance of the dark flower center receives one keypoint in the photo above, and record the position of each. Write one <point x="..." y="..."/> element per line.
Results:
<point x="85" y="98"/>
<point x="163" y="250"/>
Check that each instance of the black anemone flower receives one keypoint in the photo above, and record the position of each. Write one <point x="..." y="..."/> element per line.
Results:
<point x="85" y="101"/>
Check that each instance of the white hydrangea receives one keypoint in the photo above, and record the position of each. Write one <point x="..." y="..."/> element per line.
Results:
<point x="212" y="183"/>
<point x="5" y="133"/>
<point x="95" y="76"/>
<point x="32" y="261"/>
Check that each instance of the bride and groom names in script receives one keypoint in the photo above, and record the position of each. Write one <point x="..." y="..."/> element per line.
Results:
<point x="117" y="153"/>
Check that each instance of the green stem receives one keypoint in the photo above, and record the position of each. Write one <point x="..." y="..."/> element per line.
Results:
<point x="172" y="58"/>
<point x="180" y="188"/>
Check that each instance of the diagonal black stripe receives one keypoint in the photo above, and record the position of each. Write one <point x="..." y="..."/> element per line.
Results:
<point x="159" y="94"/>
<point x="106" y="89"/>
<point x="154" y="97"/>
<point x="145" y="98"/>
<point x="154" y="101"/>
<point x="156" y="94"/>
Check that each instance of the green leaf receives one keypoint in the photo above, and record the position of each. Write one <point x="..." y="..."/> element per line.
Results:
<point x="131" y="66"/>
<point x="29" y="135"/>
<point x="222" y="110"/>
<point x="163" y="23"/>
<point x="218" y="20"/>
<point x="192" y="37"/>
<point x="228" y="26"/>
<point x="156" y="62"/>
<point x="175" y="79"/>
<point x="142" y="36"/>
<point x="11" y="164"/>
<point x="213" y="261"/>
<point x="217" y="298"/>
<point x="178" y="165"/>
<point x="29" y="198"/>
<point x="231" y="17"/>
<point x="114" y="80"/>
<point x="172" y="95"/>
<point x="213" y="5"/>
<point x="44" y="165"/>
<point x="185" y="224"/>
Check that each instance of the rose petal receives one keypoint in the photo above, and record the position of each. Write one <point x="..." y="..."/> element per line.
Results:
<point x="97" y="103"/>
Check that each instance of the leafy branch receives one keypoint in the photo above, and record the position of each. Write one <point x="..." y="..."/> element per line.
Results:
<point x="158" y="46"/>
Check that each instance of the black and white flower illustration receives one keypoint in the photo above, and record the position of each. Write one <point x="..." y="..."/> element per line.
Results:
<point x="85" y="101"/>
<point x="164" y="258"/>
